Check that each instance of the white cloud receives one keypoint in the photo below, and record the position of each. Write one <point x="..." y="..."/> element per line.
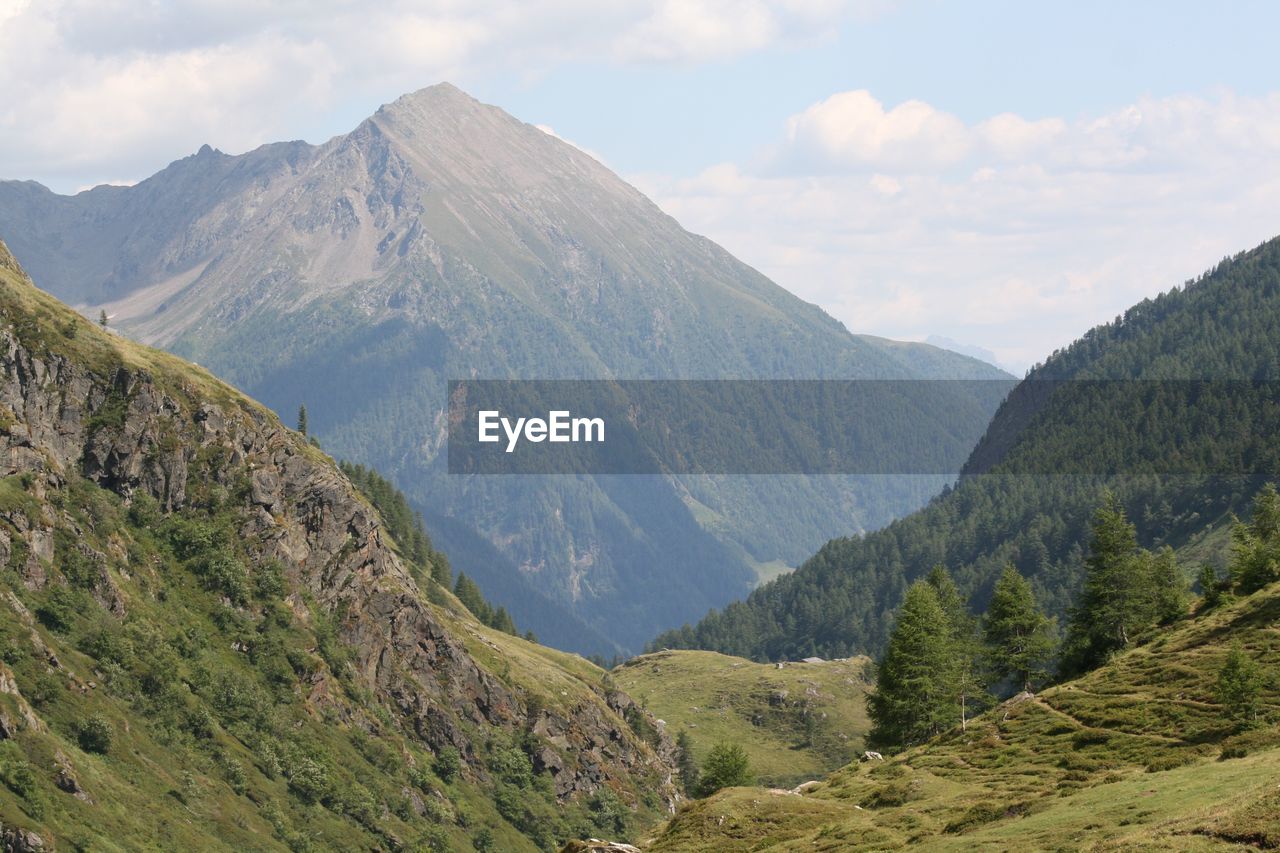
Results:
<point x="852" y="130"/>
<point x="1013" y="234"/>
<point x="117" y="86"/>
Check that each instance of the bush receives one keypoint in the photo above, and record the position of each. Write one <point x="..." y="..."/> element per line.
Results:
<point x="95" y="734"/>
<point x="887" y="797"/>
<point x="608" y="813"/>
<point x="59" y="609"/>
<point x="224" y="573"/>
<point x="308" y="781"/>
<point x="448" y="764"/>
<point x="1167" y="762"/>
<point x="511" y="765"/>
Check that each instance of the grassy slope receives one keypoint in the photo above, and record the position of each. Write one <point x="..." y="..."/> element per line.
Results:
<point x="1129" y="756"/>
<point x="716" y="698"/>
<point x="207" y="736"/>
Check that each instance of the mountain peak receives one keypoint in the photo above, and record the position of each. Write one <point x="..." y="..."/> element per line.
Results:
<point x="440" y="97"/>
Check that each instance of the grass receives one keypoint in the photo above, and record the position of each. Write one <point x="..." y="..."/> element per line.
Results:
<point x="715" y="697"/>
<point x="1135" y="755"/>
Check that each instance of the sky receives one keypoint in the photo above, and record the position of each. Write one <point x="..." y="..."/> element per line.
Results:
<point x="1002" y="174"/>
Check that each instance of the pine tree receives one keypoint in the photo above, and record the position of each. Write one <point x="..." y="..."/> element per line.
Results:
<point x="103" y="319"/>
<point x="1168" y="588"/>
<point x="1240" y="685"/>
<point x="727" y="766"/>
<point x="1124" y="591"/>
<point x="913" y="700"/>
<point x="1019" y="637"/>
<point x="302" y="419"/>
<point x="961" y="673"/>
<point x="686" y="763"/>
<point x="469" y="594"/>
<point x="1256" y="546"/>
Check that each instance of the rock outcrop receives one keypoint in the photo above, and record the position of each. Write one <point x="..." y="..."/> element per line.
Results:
<point x="136" y="421"/>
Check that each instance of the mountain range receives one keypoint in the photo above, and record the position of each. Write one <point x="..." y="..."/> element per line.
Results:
<point x="444" y="239"/>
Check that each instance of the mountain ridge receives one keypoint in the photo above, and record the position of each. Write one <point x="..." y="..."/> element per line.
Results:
<point x="212" y="590"/>
<point x="444" y="239"/>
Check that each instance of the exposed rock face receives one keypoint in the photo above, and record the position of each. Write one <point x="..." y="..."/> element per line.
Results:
<point x="137" y="430"/>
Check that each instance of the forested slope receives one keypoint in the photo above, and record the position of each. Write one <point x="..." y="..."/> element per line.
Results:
<point x="1126" y="408"/>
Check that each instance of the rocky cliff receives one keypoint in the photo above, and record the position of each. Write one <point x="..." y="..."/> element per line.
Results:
<point x="80" y="404"/>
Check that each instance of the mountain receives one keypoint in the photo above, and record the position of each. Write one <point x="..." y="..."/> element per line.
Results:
<point x="980" y="353"/>
<point x="1138" y="755"/>
<point x="209" y="640"/>
<point x="1172" y="407"/>
<point x="444" y="239"/>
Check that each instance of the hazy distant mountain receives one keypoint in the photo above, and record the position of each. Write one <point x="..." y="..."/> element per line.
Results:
<point x="443" y="238"/>
<point x="981" y="354"/>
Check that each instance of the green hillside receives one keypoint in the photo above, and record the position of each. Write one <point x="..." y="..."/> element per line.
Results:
<point x="1138" y="754"/>
<point x="1114" y="411"/>
<point x="797" y="722"/>
<point x="210" y="640"/>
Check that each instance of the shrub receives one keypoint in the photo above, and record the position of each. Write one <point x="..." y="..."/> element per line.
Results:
<point x="887" y="797"/>
<point x="608" y="813"/>
<point x="448" y="764"/>
<point x="95" y="734"/>
<point x="1167" y="762"/>
<point x="59" y="609"/>
<point x="224" y="573"/>
<point x="511" y="765"/>
<point x="308" y="781"/>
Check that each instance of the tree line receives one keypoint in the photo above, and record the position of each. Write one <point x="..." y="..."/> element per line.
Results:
<point x="941" y="664"/>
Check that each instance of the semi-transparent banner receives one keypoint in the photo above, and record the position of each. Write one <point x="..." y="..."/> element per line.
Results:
<point x="861" y="426"/>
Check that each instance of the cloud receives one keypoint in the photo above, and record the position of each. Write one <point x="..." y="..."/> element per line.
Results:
<point x="852" y="130"/>
<point x="1010" y="233"/>
<point x="116" y="87"/>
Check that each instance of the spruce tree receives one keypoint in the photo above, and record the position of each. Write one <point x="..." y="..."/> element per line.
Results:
<point x="302" y="419"/>
<point x="913" y="699"/>
<point x="1122" y="593"/>
<point x="727" y="766"/>
<point x="1256" y="546"/>
<point x="1168" y="588"/>
<point x="960" y="667"/>
<point x="686" y="763"/>
<point x="469" y="594"/>
<point x="1240" y="685"/>
<point x="1018" y="635"/>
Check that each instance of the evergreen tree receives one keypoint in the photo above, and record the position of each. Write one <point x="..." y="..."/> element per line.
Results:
<point x="1256" y="546"/>
<point x="727" y="766"/>
<point x="469" y="594"/>
<point x="1168" y="588"/>
<point x="1210" y="586"/>
<point x="961" y="674"/>
<point x="913" y="699"/>
<point x="686" y="763"/>
<point x="1240" y="685"/>
<point x="103" y="319"/>
<point x="1126" y="591"/>
<point x="302" y="419"/>
<point x="1018" y="635"/>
